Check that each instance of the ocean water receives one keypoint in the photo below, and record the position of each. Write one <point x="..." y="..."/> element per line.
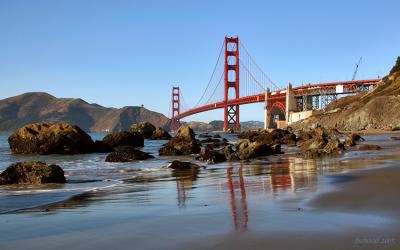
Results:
<point x="91" y="178"/>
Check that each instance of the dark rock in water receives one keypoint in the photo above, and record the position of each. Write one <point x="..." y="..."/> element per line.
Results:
<point x="229" y="153"/>
<point x="183" y="165"/>
<point x="32" y="173"/>
<point x="352" y="139"/>
<point x="145" y="128"/>
<point x="394" y="138"/>
<point x="210" y="140"/>
<point x="127" y="154"/>
<point x="211" y="156"/>
<point x="45" y="138"/>
<point x="184" y="143"/>
<point x="320" y="142"/>
<point x="205" y="135"/>
<point x="102" y="147"/>
<point x="160" y="134"/>
<point x="124" y="138"/>
<point x="368" y="147"/>
<point x="216" y="136"/>
<point x="248" y="150"/>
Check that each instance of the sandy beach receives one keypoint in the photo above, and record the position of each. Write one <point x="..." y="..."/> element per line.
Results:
<point x="283" y="202"/>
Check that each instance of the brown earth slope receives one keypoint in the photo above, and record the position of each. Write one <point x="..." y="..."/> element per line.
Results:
<point x="41" y="107"/>
<point x="375" y="109"/>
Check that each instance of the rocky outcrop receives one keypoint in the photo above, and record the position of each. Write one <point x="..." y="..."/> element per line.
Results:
<point x="145" y="128"/>
<point x="37" y="107"/>
<point x="149" y="131"/>
<point x="124" y="138"/>
<point x="211" y="156"/>
<point x="183" y="165"/>
<point x="375" y="109"/>
<point x="184" y="143"/>
<point x="247" y="149"/>
<point x="160" y="134"/>
<point x="127" y="154"/>
<point x="320" y="142"/>
<point x="32" y="173"/>
<point x="352" y="139"/>
<point x="44" y="138"/>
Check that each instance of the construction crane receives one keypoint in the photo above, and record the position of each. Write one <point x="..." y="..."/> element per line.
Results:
<point x="355" y="71"/>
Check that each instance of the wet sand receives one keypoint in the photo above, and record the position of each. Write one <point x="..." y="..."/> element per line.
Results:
<point x="372" y="192"/>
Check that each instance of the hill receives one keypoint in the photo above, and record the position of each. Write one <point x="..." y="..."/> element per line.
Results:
<point x="41" y="107"/>
<point x="376" y="109"/>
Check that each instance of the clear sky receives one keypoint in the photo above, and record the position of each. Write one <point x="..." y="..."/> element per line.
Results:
<point x="122" y="53"/>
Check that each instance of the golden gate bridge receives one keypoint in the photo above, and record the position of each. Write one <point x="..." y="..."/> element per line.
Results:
<point x="238" y="80"/>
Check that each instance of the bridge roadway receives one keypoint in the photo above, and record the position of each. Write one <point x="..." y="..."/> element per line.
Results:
<point x="329" y="88"/>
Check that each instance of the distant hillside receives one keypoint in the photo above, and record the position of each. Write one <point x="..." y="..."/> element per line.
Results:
<point x="218" y="125"/>
<point x="41" y="107"/>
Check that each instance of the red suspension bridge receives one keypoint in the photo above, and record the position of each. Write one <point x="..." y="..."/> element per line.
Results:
<point x="237" y="80"/>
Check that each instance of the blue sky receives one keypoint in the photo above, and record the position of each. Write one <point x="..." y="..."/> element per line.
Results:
<point x="120" y="53"/>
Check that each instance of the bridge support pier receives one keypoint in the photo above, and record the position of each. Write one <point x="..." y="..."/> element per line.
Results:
<point x="290" y="103"/>
<point x="266" y="113"/>
<point x="176" y="110"/>
<point x="231" y="81"/>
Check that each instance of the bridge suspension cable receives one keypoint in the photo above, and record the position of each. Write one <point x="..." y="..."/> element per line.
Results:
<point x="217" y="64"/>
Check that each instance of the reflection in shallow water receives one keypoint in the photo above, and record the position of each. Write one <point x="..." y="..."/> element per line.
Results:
<point x="240" y="216"/>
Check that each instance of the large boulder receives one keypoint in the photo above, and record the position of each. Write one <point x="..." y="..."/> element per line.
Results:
<point x="127" y="154"/>
<point x="352" y="139"/>
<point x="45" y="138"/>
<point x="145" y="128"/>
<point x="184" y="143"/>
<point x="32" y="173"/>
<point x="320" y="142"/>
<point x="124" y="138"/>
<point x="248" y="150"/>
<point x="160" y="134"/>
<point x="211" y="156"/>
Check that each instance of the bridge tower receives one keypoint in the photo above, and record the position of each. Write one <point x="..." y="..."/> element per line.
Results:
<point x="231" y="81"/>
<point x="176" y="108"/>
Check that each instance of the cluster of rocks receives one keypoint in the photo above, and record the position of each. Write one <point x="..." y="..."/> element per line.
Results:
<point x="43" y="138"/>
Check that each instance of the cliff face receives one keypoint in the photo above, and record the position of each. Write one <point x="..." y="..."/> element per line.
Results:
<point x="376" y="109"/>
<point x="41" y="107"/>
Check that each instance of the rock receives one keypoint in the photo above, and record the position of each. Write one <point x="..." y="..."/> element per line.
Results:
<point x="333" y="146"/>
<point x="145" y="128"/>
<point x="160" y="134"/>
<point x="183" y="165"/>
<point x="289" y="139"/>
<point x="229" y="152"/>
<point x="368" y="147"/>
<point x="352" y="139"/>
<point x="124" y="138"/>
<point x="204" y="135"/>
<point x="320" y="142"/>
<point x="211" y="156"/>
<point x="216" y="136"/>
<point x="45" y="138"/>
<point x="248" y="150"/>
<point x="127" y="154"/>
<point x="184" y="143"/>
<point x="394" y="138"/>
<point x="32" y="173"/>
<point x="101" y="147"/>
<point x="210" y="140"/>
